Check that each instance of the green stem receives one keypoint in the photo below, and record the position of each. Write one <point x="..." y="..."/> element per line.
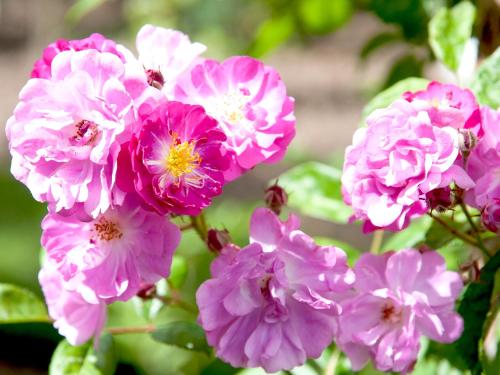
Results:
<point x="331" y="367"/>
<point x="186" y="227"/>
<point x="200" y="226"/>
<point x="377" y="239"/>
<point x="175" y="301"/>
<point x="125" y="330"/>
<point x="480" y="243"/>
<point x="464" y="237"/>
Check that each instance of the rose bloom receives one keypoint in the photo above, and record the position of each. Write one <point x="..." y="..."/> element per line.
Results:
<point x="398" y="298"/>
<point x="42" y="67"/>
<point x="114" y="254"/>
<point x="77" y="316"/>
<point x="165" y="54"/>
<point x="65" y="134"/>
<point x="272" y="304"/>
<point x="448" y="105"/>
<point x="249" y="101"/>
<point x="394" y="162"/>
<point x="483" y="165"/>
<point x="174" y="160"/>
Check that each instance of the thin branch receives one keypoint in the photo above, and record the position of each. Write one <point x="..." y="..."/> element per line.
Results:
<point x="331" y="367"/>
<point x="377" y="239"/>
<point x="480" y="243"/>
<point x="464" y="237"/>
<point x="186" y="227"/>
<point x="173" y="301"/>
<point x="200" y="226"/>
<point x="125" y="330"/>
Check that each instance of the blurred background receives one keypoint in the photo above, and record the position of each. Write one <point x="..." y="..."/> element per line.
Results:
<point x="334" y="55"/>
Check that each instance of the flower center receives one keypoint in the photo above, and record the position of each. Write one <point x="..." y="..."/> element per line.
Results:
<point x="107" y="230"/>
<point x="182" y="159"/>
<point x="264" y="286"/>
<point x="230" y="107"/>
<point x="390" y="314"/>
<point x="86" y="132"/>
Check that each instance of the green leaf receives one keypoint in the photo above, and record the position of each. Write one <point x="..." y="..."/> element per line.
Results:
<point x="474" y="308"/>
<point x="411" y="236"/>
<point x="186" y="335"/>
<point x="486" y="83"/>
<point x="449" y="31"/>
<point x="81" y="8"/>
<point x="314" y="189"/>
<point x="324" y="16"/>
<point x="18" y="305"/>
<point x="378" y="41"/>
<point x="83" y="359"/>
<point x="178" y="271"/>
<point x="406" y="66"/>
<point x="271" y="34"/>
<point x="455" y="254"/>
<point x="386" y="97"/>
<point x="438" y="236"/>
<point x="410" y="15"/>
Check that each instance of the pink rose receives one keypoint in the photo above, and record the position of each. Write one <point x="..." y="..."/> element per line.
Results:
<point x="42" y="67"/>
<point x="174" y="160"/>
<point x="65" y="134"/>
<point x="398" y="298"/>
<point x="483" y="165"/>
<point x="114" y="254"/>
<point x="394" y="162"/>
<point x="249" y="101"/>
<point x="272" y="304"/>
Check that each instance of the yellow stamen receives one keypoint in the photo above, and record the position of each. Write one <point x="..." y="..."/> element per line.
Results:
<point x="182" y="159"/>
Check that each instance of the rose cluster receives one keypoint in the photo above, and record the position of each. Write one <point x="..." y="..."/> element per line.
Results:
<point x="283" y="299"/>
<point x="117" y="144"/>
<point x="430" y="149"/>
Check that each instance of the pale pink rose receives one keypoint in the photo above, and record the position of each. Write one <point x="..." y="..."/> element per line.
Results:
<point x="249" y="101"/>
<point x="483" y="165"/>
<point x="42" y="67"/>
<point x="165" y="54"/>
<point x="395" y="162"/>
<point x="114" y="254"/>
<point x="77" y="316"/>
<point x="65" y="134"/>
<point x="272" y="304"/>
<point x="399" y="297"/>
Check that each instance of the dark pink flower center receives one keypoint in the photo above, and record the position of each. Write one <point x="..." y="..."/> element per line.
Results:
<point x="86" y="132"/>
<point x="264" y="286"/>
<point x="155" y="78"/>
<point x="390" y="314"/>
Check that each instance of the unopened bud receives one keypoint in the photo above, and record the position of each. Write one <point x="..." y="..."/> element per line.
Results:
<point x="276" y="198"/>
<point x="217" y="239"/>
<point x="147" y="291"/>
<point x="440" y="199"/>
<point x="155" y="78"/>
<point x="467" y="140"/>
<point x="470" y="271"/>
<point x="491" y="215"/>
